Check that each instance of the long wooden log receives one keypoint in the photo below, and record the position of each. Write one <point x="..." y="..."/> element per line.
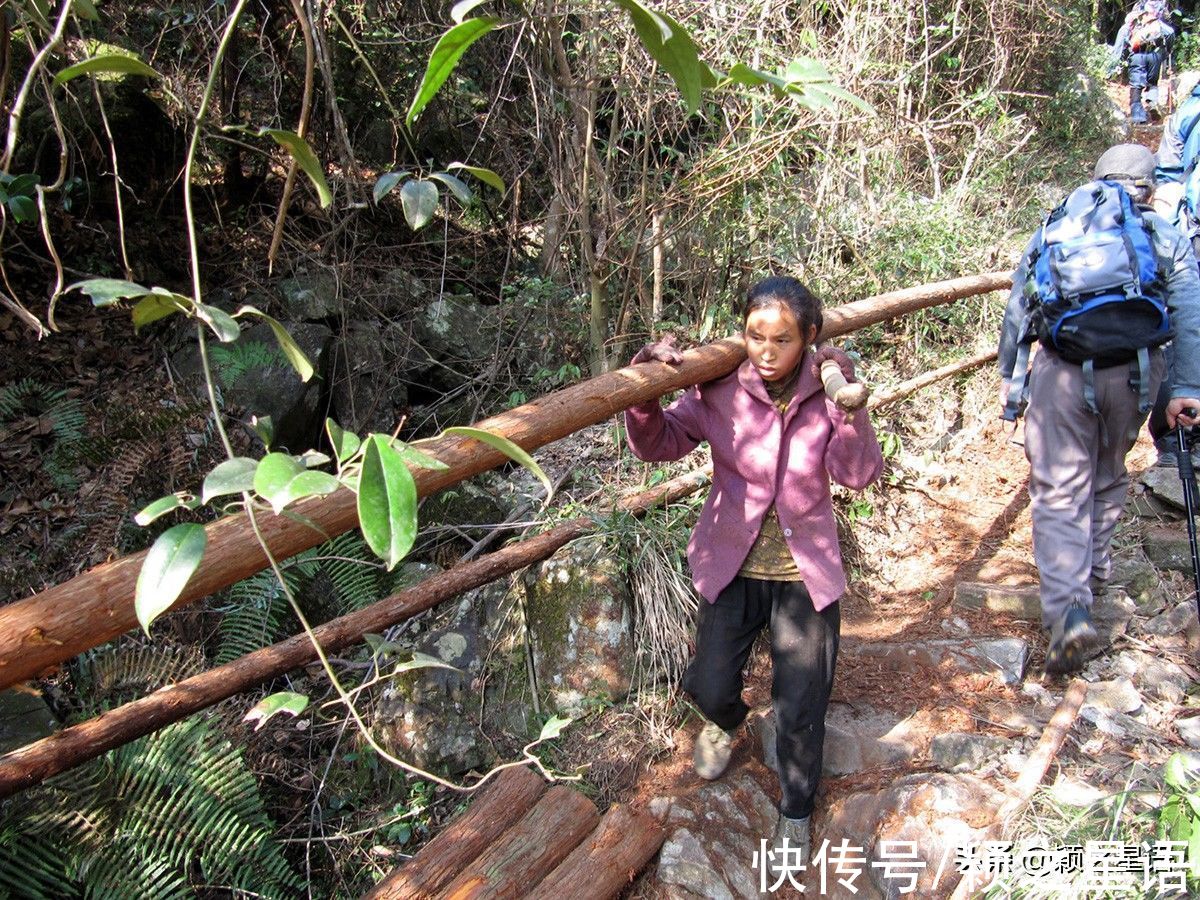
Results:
<point x="529" y="850"/>
<point x="904" y="388"/>
<point x="604" y="864"/>
<point x="39" y="632"/>
<point x="75" y="745"/>
<point x="502" y="805"/>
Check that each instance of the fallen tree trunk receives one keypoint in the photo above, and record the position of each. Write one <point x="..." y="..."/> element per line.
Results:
<point x="902" y="390"/>
<point x="605" y="864"/>
<point x="502" y="805"/>
<point x="529" y="850"/>
<point x="72" y="746"/>
<point x="41" y="631"/>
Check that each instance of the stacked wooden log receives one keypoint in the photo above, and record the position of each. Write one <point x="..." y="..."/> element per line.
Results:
<point x="523" y="838"/>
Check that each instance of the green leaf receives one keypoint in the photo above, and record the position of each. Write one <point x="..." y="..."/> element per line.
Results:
<point x="461" y="192"/>
<point x="24" y="209"/>
<point x="309" y="483"/>
<point x="415" y="457"/>
<point x="169" y="565"/>
<point x="423" y="661"/>
<point x="345" y="443"/>
<point x="305" y="158"/>
<point x="154" y="306"/>
<point x="445" y="56"/>
<point x="275" y="472"/>
<point x="107" y="291"/>
<point x="487" y="176"/>
<point x="553" y="728"/>
<point x="831" y="92"/>
<point x="459" y="11"/>
<point x="508" y="448"/>
<point x="264" y="427"/>
<point x="291" y="350"/>
<point x="86" y="10"/>
<point x="283" y="702"/>
<point x="387" y="502"/>
<point x="113" y="63"/>
<point x="164" y="505"/>
<point x="420" y="200"/>
<point x="386" y="182"/>
<point x="234" y="476"/>
<point x="672" y="48"/>
<point x="223" y="325"/>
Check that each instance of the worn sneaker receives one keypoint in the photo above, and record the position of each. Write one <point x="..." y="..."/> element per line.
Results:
<point x="714" y="746"/>
<point x="791" y="847"/>
<point x="1070" y="640"/>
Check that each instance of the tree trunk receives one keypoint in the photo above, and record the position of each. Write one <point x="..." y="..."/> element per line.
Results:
<point x="75" y="745"/>
<point x="604" y="865"/>
<point x="41" y="631"/>
<point x="510" y="797"/>
<point x="530" y="850"/>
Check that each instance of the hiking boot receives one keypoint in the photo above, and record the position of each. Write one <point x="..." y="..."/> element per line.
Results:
<point x="791" y="847"/>
<point x="714" y="746"/>
<point x="1137" y="112"/>
<point x="1070" y="640"/>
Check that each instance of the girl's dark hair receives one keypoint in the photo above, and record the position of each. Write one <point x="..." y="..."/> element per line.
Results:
<point x="781" y="290"/>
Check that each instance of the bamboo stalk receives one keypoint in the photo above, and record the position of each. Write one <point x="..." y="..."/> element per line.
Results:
<point x="72" y="746"/>
<point x="41" y="631"/>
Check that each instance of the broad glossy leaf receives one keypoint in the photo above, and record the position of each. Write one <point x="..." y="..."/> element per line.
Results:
<point x="672" y="48"/>
<point x="420" y="200"/>
<point x="112" y="63"/>
<point x="153" y="307"/>
<point x="508" y="448"/>
<point x="445" y="56"/>
<point x="415" y="457"/>
<point x="169" y="565"/>
<point x="386" y="182"/>
<point x="387" y="502"/>
<point x="283" y="702"/>
<point x="487" y="176"/>
<point x="345" y="443"/>
<point x="164" y="505"/>
<point x="24" y="209"/>
<point x="306" y="159"/>
<point x="553" y="728"/>
<point x="107" y="291"/>
<point x="291" y="350"/>
<point x="223" y="325"/>
<point x="309" y="483"/>
<point x="275" y="472"/>
<point x="461" y="192"/>
<point x="234" y="476"/>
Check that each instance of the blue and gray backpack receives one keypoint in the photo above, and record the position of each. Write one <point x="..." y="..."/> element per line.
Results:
<point x="1096" y="292"/>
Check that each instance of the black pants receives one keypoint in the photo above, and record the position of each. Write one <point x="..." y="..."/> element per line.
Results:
<point x="804" y="645"/>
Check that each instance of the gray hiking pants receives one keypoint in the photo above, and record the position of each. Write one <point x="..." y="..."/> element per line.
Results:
<point x="1078" y="481"/>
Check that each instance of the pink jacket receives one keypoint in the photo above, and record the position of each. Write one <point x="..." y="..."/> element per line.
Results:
<point x="759" y="458"/>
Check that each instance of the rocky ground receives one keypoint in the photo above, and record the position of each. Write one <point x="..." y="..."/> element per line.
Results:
<point x="941" y="695"/>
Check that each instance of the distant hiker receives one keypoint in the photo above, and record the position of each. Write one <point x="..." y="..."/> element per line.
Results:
<point x="1101" y="286"/>
<point x="765" y="550"/>
<point x="1143" y="42"/>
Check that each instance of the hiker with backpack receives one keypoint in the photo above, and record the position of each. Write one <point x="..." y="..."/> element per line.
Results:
<point x="1102" y="285"/>
<point x="1143" y="43"/>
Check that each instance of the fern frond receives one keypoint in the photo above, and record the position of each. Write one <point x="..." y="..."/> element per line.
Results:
<point x="353" y="570"/>
<point x="234" y="360"/>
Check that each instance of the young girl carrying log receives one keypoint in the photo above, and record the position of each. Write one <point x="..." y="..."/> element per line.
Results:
<point x="765" y="549"/>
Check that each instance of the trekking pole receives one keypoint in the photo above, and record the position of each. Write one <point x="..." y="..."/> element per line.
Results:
<point x="1187" y="474"/>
